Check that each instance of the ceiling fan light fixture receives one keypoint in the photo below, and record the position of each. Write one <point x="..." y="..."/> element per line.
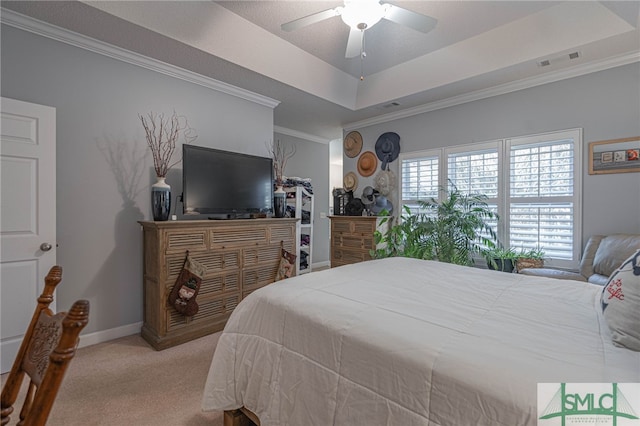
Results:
<point x="362" y="14"/>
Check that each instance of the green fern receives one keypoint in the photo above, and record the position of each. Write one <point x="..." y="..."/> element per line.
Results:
<point x="449" y="231"/>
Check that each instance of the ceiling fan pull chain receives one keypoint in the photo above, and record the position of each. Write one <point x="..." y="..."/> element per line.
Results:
<point x="362" y="56"/>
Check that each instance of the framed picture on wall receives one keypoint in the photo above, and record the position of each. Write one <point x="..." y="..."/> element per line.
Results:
<point x="614" y="156"/>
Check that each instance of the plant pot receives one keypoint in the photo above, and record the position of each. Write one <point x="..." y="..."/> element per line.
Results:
<point x="524" y="263"/>
<point x="504" y="265"/>
<point x="160" y="200"/>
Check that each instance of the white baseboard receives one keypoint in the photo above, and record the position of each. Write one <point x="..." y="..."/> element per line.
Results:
<point x="127" y="330"/>
<point x="318" y="265"/>
<point x="110" y="334"/>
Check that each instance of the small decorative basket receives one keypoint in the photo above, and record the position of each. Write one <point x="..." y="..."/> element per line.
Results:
<point x="525" y="263"/>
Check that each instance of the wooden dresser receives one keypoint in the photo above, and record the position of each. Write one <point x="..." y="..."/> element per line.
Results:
<point x="352" y="238"/>
<point x="240" y="255"/>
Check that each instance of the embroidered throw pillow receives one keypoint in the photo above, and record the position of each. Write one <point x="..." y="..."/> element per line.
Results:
<point x="620" y="301"/>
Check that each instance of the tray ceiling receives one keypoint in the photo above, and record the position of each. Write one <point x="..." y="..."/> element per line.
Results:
<point x="476" y="47"/>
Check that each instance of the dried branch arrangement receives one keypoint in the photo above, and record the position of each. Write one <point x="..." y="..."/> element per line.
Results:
<point x="162" y="133"/>
<point x="280" y="155"/>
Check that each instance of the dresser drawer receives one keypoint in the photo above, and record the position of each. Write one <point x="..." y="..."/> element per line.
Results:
<point x="260" y="254"/>
<point x="216" y="262"/>
<point x="208" y="311"/>
<point x="350" y="256"/>
<point x="284" y="232"/>
<point x="179" y="241"/>
<point x="212" y="286"/>
<point x="234" y="236"/>
<point x="354" y="241"/>
<point x="255" y="278"/>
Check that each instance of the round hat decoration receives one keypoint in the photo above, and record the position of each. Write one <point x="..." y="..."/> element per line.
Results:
<point x="375" y="202"/>
<point x="381" y="203"/>
<point x="385" y="181"/>
<point x="368" y="196"/>
<point x="367" y="164"/>
<point x="388" y="148"/>
<point x="352" y="144"/>
<point x="350" y="181"/>
<point x="354" y="207"/>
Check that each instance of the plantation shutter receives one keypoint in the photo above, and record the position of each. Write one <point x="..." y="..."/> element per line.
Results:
<point x="542" y="196"/>
<point x="419" y="180"/>
<point x="477" y="172"/>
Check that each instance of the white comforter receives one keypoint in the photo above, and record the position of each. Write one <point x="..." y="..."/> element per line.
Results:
<point x="409" y="342"/>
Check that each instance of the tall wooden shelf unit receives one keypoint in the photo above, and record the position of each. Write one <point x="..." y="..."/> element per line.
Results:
<point x="240" y="255"/>
<point x="300" y="204"/>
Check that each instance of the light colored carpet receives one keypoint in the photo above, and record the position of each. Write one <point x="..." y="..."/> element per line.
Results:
<point x="126" y="382"/>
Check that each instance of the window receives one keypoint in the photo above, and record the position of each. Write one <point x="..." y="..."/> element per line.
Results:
<point x="475" y="171"/>
<point x="419" y="179"/>
<point x="543" y="208"/>
<point x="532" y="182"/>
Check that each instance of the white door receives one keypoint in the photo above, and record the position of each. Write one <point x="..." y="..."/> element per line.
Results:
<point x="27" y="216"/>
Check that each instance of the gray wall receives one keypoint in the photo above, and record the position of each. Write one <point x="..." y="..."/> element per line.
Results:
<point x="606" y="105"/>
<point x="312" y="161"/>
<point x="104" y="169"/>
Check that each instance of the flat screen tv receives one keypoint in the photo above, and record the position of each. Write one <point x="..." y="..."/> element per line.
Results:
<point x="225" y="185"/>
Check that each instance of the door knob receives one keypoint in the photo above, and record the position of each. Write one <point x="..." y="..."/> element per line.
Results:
<point x="45" y="246"/>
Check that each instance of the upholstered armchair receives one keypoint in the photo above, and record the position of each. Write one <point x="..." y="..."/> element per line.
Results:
<point x="602" y="255"/>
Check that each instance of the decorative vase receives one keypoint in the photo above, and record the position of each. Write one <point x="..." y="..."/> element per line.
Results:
<point x="160" y="199"/>
<point x="279" y="202"/>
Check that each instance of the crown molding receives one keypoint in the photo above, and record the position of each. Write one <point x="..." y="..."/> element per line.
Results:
<point x="53" y="32"/>
<point x="300" y="135"/>
<point x="526" y="83"/>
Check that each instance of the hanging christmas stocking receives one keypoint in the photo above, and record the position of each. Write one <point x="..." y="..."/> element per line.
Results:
<point x="287" y="265"/>
<point x="184" y="292"/>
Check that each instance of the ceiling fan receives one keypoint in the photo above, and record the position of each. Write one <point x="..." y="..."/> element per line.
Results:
<point x="361" y="15"/>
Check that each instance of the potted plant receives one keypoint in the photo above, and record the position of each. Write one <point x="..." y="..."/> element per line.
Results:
<point x="451" y="230"/>
<point x="532" y="258"/>
<point x="402" y="238"/>
<point x="500" y="258"/>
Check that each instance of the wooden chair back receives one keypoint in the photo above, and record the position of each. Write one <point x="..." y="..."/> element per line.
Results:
<point x="48" y="346"/>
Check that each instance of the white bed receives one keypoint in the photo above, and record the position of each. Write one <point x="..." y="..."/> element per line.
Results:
<point x="408" y="342"/>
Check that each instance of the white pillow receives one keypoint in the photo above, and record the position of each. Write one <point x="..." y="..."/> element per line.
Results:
<point x="621" y="303"/>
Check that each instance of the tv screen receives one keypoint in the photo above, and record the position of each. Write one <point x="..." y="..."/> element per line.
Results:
<point x="224" y="184"/>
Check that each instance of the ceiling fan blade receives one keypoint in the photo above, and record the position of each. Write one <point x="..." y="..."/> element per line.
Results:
<point x="354" y="44"/>
<point x="410" y="19"/>
<point x="310" y="19"/>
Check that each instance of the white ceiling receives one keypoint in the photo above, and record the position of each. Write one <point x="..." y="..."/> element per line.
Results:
<point x="477" y="48"/>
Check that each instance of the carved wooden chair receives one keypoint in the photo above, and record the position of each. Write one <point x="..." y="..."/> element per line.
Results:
<point x="48" y="346"/>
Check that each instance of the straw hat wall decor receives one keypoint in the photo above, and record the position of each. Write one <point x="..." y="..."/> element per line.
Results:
<point x="350" y="181"/>
<point x="352" y="144"/>
<point x="367" y="164"/>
